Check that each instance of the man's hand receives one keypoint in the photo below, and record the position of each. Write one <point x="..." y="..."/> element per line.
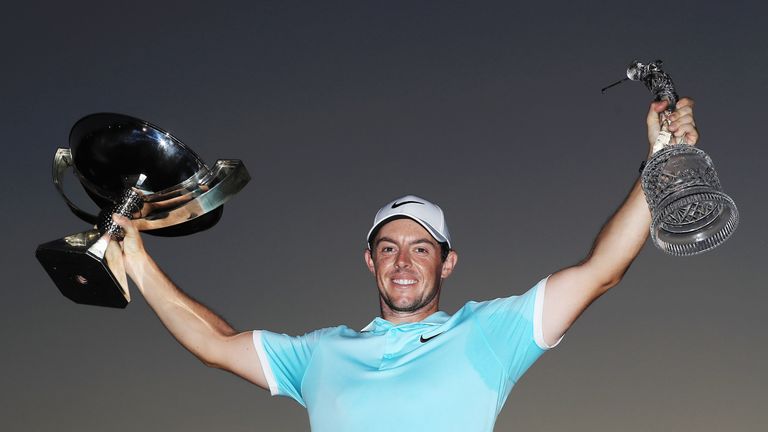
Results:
<point x="132" y="246"/>
<point x="682" y="124"/>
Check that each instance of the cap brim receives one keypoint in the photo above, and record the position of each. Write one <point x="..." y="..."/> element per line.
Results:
<point x="433" y="232"/>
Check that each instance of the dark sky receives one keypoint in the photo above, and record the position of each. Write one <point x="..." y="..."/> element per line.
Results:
<point x="492" y="110"/>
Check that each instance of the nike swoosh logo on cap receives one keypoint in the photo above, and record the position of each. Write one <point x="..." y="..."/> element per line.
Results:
<point x="398" y="204"/>
<point x="422" y="339"/>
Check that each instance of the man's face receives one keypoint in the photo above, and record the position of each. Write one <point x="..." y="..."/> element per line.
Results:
<point x="406" y="263"/>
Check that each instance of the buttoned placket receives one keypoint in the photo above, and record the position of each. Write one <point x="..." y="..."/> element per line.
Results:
<point x="399" y="340"/>
<point x="389" y="349"/>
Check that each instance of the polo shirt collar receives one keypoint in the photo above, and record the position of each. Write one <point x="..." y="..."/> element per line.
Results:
<point x="380" y="324"/>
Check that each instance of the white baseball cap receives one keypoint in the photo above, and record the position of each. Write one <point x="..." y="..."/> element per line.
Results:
<point x="425" y="213"/>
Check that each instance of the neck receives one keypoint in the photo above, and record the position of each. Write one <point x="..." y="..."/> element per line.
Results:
<point x="400" y="317"/>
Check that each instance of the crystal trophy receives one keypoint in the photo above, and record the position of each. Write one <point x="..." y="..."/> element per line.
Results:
<point x="690" y="212"/>
<point x="134" y="168"/>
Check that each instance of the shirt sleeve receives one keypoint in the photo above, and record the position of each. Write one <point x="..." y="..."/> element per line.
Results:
<point x="513" y="328"/>
<point x="284" y="360"/>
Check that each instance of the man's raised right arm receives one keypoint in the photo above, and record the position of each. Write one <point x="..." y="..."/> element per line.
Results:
<point x="197" y="328"/>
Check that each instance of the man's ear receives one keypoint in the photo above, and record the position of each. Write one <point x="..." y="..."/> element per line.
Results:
<point x="449" y="264"/>
<point x="369" y="261"/>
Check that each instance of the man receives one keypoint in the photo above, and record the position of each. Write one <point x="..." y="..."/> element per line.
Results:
<point x="415" y="367"/>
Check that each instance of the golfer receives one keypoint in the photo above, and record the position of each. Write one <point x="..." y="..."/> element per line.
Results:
<point x="414" y="368"/>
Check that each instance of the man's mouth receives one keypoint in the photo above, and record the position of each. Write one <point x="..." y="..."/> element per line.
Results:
<point x="404" y="281"/>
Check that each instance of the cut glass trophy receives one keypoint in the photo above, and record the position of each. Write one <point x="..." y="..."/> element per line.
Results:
<point x="690" y="212"/>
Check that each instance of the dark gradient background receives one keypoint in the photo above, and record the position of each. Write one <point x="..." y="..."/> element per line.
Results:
<point x="493" y="110"/>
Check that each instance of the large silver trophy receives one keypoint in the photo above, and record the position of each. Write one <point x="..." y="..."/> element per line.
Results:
<point x="690" y="212"/>
<point x="134" y="168"/>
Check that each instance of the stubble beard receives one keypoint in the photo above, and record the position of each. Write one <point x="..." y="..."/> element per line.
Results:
<point x="415" y="305"/>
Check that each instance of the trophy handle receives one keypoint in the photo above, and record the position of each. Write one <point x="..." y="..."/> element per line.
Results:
<point x="62" y="161"/>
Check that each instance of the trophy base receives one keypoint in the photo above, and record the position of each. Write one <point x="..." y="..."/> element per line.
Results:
<point x="79" y="275"/>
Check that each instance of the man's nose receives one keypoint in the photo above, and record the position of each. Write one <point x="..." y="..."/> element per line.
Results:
<point x="403" y="259"/>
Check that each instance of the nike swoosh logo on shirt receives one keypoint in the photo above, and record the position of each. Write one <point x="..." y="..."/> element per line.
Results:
<point x="422" y="339"/>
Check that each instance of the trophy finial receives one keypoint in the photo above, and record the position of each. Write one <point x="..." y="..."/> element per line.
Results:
<point x="655" y="80"/>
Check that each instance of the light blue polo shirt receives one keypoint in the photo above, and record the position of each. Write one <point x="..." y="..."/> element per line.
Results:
<point x="445" y="373"/>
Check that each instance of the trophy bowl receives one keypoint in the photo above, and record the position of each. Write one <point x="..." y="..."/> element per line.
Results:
<point x="690" y="212"/>
<point x="129" y="166"/>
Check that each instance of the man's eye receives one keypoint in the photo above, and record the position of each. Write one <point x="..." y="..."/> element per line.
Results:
<point x="387" y="249"/>
<point x="422" y="250"/>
